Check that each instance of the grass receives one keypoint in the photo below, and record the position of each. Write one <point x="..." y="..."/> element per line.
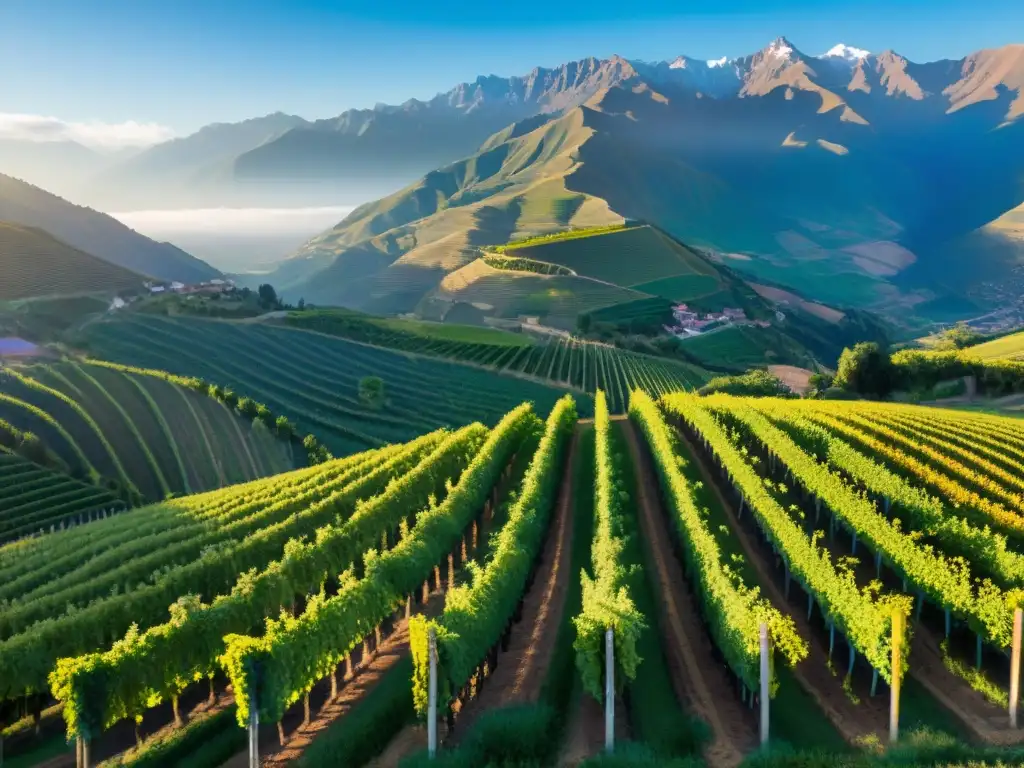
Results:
<point x="625" y="256"/>
<point x="795" y="718"/>
<point x="656" y="717"/>
<point x="555" y="237"/>
<point x="1004" y="348"/>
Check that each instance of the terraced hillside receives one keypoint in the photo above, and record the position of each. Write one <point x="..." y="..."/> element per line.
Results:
<point x="587" y="366"/>
<point x="34" y="263"/>
<point x="638" y="257"/>
<point x="34" y="499"/>
<point x="876" y="544"/>
<point x="149" y="437"/>
<point x="314" y="379"/>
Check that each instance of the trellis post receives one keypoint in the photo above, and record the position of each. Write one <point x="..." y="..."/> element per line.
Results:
<point x="254" y="735"/>
<point x="609" y="690"/>
<point x="765" y="671"/>
<point x="1015" y="667"/>
<point x="894" y="688"/>
<point x="432" y="693"/>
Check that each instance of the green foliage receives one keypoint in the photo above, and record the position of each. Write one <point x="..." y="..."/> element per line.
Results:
<point x="866" y="369"/>
<point x="268" y="296"/>
<point x="158" y="664"/>
<point x="570" y="234"/>
<point x="525" y="265"/>
<point x="959" y="336"/>
<point x="476" y="614"/>
<point x="917" y="370"/>
<point x="630" y="755"/>
<point x="756" y="383"/>
<point x="296" y="652"/>
<point x="947" y="582"/>
<point x="862" y="615"/>
<point x="607" y="603"/>
<point x="367" y="729"/>
<point x="371" y="391"/>
<point x="733" y="611"/>
<point x="205" y="742"/>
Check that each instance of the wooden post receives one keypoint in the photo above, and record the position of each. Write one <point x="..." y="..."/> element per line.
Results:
<point x="78" y="752"/>
<point x="765" y="672"/>
<point x="85" y="753"/>
<point x="432" y="693"/>
<point x="894" y="688"/>
<point x="609" y="690"/>
<point x="1015" y="667"/>
<point x="254" y="735"/>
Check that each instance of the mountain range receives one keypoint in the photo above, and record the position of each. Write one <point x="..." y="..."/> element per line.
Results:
<point x="855" y="178"/>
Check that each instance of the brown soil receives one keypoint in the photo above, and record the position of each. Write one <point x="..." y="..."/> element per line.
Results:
<point x="987" y="722"/>
<point x="522" y="669"/>
<point x="854" y="722"/>
<point x="697" y="677"/>
<point x="585" y="736"/>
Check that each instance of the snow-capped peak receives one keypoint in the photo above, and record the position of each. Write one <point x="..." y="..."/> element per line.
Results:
<point x="712" y="63"/>
<point x="679" y="63"/>
<point x="780" y="49"/>
<point x="847" y="53"/>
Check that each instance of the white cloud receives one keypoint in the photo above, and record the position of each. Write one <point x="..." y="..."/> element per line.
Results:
<point x="303" y="222"/>
<point x="95" y="134"/>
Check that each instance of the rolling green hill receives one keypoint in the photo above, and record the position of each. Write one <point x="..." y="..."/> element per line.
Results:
<point x="33" y="499"/>
<point x="1004" y="348"/>
<point x="314" y="379"/>
<point x="34" y="263"/>
<point x="141" y="433"/>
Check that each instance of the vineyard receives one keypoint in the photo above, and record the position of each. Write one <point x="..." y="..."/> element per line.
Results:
<point x="503" y="590"/>
<point x="138" y="433"/>
<point x="314" y="380"/>
<point x="565" y="361"/>
<point x="34" y="499"/>
<point x="35" y="263"/>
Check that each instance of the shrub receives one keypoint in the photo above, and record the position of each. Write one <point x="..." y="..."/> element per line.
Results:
<point x="756" y="383"/>
<point x="866" y="369"/>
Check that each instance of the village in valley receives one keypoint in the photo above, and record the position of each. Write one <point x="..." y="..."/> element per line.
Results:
<point x="691" y="322"/>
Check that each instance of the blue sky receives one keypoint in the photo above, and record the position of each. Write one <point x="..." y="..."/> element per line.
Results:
<point x="180" y="64"/>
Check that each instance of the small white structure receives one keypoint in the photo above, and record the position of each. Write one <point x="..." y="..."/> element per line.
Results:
<point x="117" y="303"/>
<point x="176" y="286"/>
<point x="218" y="281"/>
<point x="157" y="289"/>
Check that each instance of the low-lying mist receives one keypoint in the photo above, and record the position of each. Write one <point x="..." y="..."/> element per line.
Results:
<point x="235" y="239"/>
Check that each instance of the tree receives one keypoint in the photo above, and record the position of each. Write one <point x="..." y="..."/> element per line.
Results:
<point x="819" y="382"/>
<point x="371" y="391"/>
<point x="583" y="323"/>
<point x="302" y="304"/>
<point x="268" y="296"/>
<point x="865" y="369"/>
<point x="959" y="336"/>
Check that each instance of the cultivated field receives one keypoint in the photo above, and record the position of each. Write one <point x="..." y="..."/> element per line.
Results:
<point x="34" y="263"/>
<point x="34" y="499"/>
<point x="638" y="257"/>
<point x="314" y="380"/>
<point x="1005" y="348"/>
<point x="145" y="434"/>
<point x="561" y="360"/>
<point x="877" y="543"/>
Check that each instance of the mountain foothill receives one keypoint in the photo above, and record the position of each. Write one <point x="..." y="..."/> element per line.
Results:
<point x="856" y="179"/>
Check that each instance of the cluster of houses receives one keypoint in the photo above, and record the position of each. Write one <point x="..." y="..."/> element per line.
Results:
<point x="690" y="322"/>
<point x="207" y="287"/>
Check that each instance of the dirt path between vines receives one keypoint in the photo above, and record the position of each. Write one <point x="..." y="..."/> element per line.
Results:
<point x="852" y="721"/>
<point x="696" y="675"/>
<point x="522" y="669"/>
